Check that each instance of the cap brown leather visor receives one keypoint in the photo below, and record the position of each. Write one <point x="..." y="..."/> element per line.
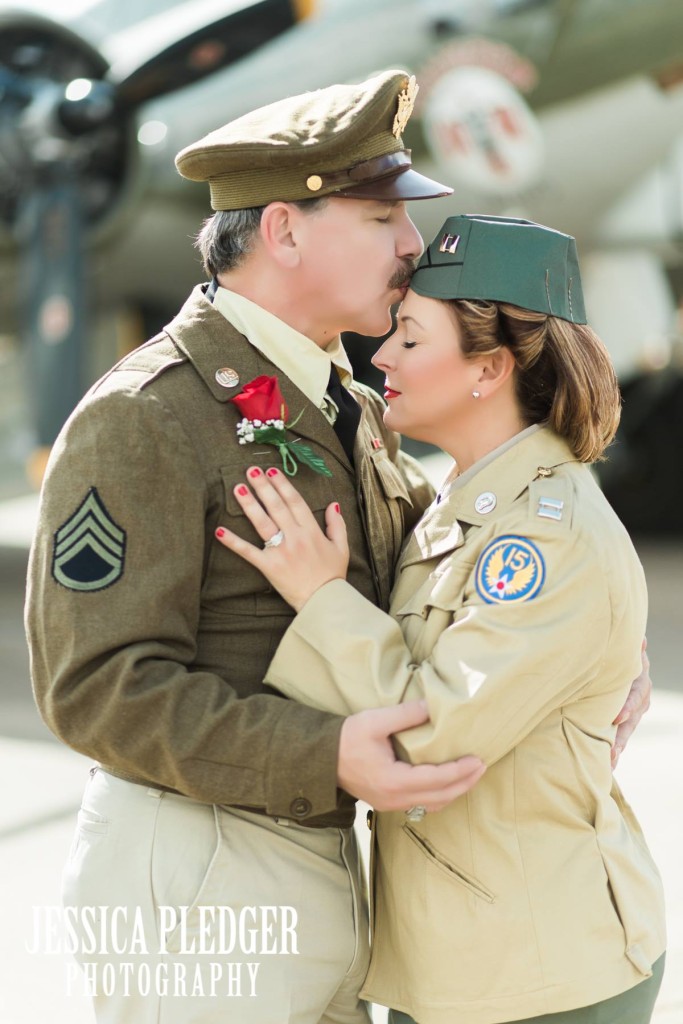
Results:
<point x="407" y="184"/>
<point x="385" y="177"/>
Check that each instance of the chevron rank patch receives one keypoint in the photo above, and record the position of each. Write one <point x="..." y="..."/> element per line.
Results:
<point x="89" y="548"/>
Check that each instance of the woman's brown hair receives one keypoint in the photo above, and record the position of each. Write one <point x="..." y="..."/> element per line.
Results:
<point x="564" y="374"/>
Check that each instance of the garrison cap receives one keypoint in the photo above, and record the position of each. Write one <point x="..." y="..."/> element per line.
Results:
<point x="344" y="141"/>
<point x="503" y="260"/>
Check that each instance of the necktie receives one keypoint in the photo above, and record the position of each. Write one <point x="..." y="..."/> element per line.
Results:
<point x="347" y="421"/>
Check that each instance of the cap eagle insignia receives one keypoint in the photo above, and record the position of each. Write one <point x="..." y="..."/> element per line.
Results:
<point x="406" y="102"/>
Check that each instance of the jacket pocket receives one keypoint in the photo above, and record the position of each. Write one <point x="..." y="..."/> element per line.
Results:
<point x="317" y="490"/>
<point x="92" y="823"/>
<point x="390" y="478"/>
<point x="443" y="590"/>
<point x="456" y="874"/>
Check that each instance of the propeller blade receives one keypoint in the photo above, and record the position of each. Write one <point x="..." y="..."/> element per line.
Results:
<point x="191" y="48"/>
<point x="50" y="232"/>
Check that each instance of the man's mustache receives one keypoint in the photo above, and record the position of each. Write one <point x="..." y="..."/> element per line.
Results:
<point x="404" y="273"/>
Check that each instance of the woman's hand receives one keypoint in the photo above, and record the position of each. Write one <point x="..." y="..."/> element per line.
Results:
<point x="305" y="558"/>
<point x="637" y="703"/>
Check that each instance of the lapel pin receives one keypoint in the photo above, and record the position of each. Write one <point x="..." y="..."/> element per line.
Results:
<point x="377" y="443"/>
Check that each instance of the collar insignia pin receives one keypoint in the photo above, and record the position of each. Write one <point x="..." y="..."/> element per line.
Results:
<point x="485" y="503"/>
<point x="227" y="377"/>
<point x="550" y="508"/>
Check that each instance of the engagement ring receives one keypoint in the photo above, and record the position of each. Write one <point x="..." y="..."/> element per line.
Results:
<point x="275" y="540"/>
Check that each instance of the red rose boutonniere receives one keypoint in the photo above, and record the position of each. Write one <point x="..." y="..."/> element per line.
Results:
<point x="265" y="415"/>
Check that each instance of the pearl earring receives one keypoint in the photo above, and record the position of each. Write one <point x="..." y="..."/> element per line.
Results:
<point x="476" y="394"/>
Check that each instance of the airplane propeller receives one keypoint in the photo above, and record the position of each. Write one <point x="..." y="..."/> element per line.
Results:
<point x="67" y="153"/>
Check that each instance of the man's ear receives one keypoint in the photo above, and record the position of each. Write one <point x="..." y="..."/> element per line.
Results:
<point x="496" y="369"/>
<point x="278" y="233"/>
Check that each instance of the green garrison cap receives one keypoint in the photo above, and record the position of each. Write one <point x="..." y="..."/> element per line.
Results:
<point x="344" y="140"/>
<point x="504" y="260"/>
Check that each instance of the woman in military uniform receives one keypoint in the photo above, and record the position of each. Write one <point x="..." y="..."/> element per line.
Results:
<point x="516" y="614"/>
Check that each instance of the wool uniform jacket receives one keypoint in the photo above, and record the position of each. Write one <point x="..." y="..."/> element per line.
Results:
<point x="517" y="613"/>
<point x="149" y="640"/>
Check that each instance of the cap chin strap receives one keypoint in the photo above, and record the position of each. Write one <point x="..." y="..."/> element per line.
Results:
<point x="365" y="172"/>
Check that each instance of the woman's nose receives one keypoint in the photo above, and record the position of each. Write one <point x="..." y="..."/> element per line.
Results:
<point x="382" y="358"/>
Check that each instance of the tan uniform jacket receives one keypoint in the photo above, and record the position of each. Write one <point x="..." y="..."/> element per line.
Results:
<point x="521" y="625"/>
<point x="149" y="640"/>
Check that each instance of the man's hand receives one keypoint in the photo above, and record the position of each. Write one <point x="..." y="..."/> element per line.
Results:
<point x="368" y="767"/>
<point x="637" y="703"/>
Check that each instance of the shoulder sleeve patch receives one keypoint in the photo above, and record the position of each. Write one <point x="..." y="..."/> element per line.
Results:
<point x="89" y="548"/>
<point x="509" y="569"/>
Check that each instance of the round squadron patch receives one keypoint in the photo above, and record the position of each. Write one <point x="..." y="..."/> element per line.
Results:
<point x="89" y="548"/>
<point x="509" y="569"/>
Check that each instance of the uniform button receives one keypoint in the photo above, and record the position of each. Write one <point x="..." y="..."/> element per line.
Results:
<point x="301" y="807"/>
<point x="369" y="818"/>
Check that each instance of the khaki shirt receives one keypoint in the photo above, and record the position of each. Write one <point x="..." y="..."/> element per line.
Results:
<point x="518" y="612"/>
<point x="149" y="640"/>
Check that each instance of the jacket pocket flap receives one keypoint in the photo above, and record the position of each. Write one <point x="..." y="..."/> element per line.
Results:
<point x="317" y="491"/>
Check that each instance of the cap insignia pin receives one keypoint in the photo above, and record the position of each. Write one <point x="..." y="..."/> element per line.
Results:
<point x="314" y="182"/>
<point x="406" y="102"/>
<point x="449" y="243"/>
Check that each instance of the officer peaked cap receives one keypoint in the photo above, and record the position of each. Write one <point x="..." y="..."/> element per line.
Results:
<point x="344" y="140"/>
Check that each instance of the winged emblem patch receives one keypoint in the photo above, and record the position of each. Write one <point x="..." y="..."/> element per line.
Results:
<point x="89" y="548"/>
<point x="509" y="569"/>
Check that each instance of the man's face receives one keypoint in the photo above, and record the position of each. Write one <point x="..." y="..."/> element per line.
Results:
<point x="357" y="260"/>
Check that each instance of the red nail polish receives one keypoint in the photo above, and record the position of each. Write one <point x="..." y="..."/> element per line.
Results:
<point x="220" y="532"/>
<point x="254" y="472"/>
<point x="243" y="491"/>
<point x="271" y="472"/>
<point x="337" y="509"/>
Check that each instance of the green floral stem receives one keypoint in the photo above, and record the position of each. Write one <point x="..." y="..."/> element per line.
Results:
<point x="289" y="463"/>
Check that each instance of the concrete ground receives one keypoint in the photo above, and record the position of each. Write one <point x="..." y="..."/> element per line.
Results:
<point x="42" y="783"/>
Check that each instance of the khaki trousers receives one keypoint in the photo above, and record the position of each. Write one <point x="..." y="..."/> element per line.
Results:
<point x="188" y="913"/>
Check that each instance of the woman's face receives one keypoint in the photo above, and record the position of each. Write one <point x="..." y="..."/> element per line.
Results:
<point x="429" y="382"/>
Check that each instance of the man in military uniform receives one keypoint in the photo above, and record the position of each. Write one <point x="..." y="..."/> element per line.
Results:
<point x="150" y="641"/>
<point x="216" y="826"/>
